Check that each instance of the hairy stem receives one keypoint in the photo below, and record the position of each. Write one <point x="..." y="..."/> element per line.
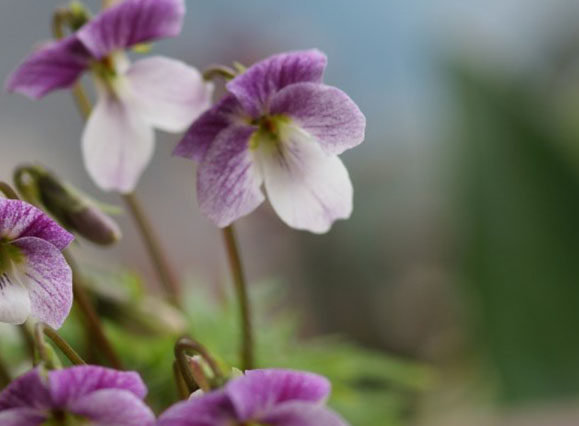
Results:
<point x="247" y="355"/>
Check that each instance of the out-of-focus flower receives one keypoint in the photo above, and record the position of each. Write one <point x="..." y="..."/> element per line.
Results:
<point x="282" y="127"/>
<point x="260" y="397"/>
<point x="35" y="279"/>
<point x="155" y="92"/>
<point x="75" y="396"/>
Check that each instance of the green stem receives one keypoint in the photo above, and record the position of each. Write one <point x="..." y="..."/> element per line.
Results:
<point x="4" y="375"/>
<point x="166" y="275"/>
<point x="219" y="71"/>
<point x="182" y="388"/>
<point x="27" y="338"/>
<point x="8" y="191"/>
<point x="42" y="330"/>
<point x="247" y="355"/>
<point x="93" y="323"/>
<point x="182" y="347"/>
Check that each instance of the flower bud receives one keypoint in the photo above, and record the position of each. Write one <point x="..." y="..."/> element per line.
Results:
<point x="75" y="211"/>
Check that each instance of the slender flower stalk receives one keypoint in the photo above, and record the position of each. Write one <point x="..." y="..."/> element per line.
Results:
<point x="42" y="330"/>
<point x="156" y="252"/>
<point x="235" y="264"/>
<point x="182" y="388"/>
<point x="93" y="323"/>
<point x="27" y="338"/>
<point x="4" y="375"/>
<point x="8" y="191"/>
<point x="191" y="377"/>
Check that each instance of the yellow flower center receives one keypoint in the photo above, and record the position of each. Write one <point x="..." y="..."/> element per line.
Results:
<point x="270" y="131"/>
<point x="9" y="255"/>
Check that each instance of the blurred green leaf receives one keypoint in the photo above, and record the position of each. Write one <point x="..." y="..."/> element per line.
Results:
<point x="519" y="210"/>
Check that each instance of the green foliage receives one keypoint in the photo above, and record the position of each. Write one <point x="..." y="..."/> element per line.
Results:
<point x="369" y="388"/>
<point x="519" y="209"/>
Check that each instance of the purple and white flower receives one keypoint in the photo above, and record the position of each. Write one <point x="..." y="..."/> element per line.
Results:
<point x="35" y="279"/>
<point x="155" y="92"/>
<point x="260" y="397"/>
<point x="76" y="396"/>
<point x="280" y="126"/>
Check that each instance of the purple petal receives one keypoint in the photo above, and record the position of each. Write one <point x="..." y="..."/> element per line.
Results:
<point x="168" y="93"/>
<point x="112" y="407"/>
<point x="255" y="87"/>
<point x="20" y="219"/>
<point x="22" y="417"/>
<point x="117" y="144"/>
<point x="228" y="183"/>
<point x="301" y="414"/>
<point x="213" y="409"/>
<point x="56" y="65"/>
<point x="76" y="382"/>
<point x="14" y="299"/>
<point x="205" y="129"/>
<point x="26" y="391"/>
<point x="325" y="112"/>
<point x="307" y="188"/>
<point x="261" y="390"/>
<point x="48" y="279"/>
<point x="132" y="22"/>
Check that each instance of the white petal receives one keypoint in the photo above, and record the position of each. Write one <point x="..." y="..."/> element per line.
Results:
<point x="307" y="188"/>
<point x="169" y="93"/>
<point x="117" y="144"/>
<point x="14" y="299"/>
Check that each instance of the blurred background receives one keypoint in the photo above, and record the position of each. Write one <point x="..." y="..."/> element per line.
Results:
<point x="463" y="249"/>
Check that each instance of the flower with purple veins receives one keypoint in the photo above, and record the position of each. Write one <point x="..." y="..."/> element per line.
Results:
<point x="280" y="126"/>
<point x="35" y="279"/>
<point x="156" y="92"/>
<point x="83" y="395"/>
<point x="259" y="398"/>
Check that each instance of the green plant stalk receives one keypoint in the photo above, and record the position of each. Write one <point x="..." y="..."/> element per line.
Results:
<point x="8" y="191"/>
<point x="4" y="375"/>
<point x="157" y="254"/>
<point x="42" y="330"/>
<point x="93" y="323"/>
<point x="191" y="375"/>
<point x="233" y="254"/>
<point x="182" y="388"/>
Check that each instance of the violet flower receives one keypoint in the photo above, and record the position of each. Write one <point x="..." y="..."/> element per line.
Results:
<point x="80" y="395"/>
<point x="282" y="127"/>
<point x="155" y="92"/>
<point x="35" y="279"/>
<point x="261" y="397"/>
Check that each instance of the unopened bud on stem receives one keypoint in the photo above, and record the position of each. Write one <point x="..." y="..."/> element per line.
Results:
<point x="75" y="211"/>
